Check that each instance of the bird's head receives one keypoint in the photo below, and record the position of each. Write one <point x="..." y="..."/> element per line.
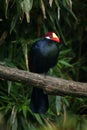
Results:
<point x="52" y="36"/>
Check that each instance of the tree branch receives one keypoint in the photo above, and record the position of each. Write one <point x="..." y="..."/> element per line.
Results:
<point x="51" y="85"/>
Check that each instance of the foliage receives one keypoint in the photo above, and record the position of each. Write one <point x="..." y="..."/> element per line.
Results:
<point x="22" y="22"/>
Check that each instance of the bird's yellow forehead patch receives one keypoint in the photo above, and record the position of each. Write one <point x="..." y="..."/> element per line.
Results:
<point x="54" y="35"/>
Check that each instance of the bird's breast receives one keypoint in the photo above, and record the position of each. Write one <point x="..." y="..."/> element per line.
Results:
<point x="43" y="55"/>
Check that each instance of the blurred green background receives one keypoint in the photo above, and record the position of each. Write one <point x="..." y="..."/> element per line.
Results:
<point x="22" y="22"/>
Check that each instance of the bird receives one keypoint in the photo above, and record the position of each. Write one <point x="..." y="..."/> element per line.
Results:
<point x="43" y="55"/>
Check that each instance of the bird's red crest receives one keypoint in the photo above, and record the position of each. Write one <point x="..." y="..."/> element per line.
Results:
<point x="49" y="34"/>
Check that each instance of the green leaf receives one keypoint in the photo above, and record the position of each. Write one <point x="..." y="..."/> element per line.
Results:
<point x="26" y="7"/>
<point x="60" y="30"/>
<point x="9" y="86"/>
<point x="58" y="104"/>
<point x="65" y="63"/>
<point x="43" y="9"/>
<point x="65" y="101"/>
<point x="15" y="125"/>
<point x="38" y="118"/>
<point x="13" y="23"/>
<point x="57" y="3"/>
<point x="64" y="4"/>
<point x="25" y="110"/>
<point x="84" y="68"/>
<point x="64" y="52"/>
<point x="6" y="7"/>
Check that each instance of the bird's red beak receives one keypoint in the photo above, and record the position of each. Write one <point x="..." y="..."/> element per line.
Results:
<point x="55" y="39"/>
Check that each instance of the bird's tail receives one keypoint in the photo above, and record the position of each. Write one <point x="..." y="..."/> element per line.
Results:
<point x="39" y="101"/>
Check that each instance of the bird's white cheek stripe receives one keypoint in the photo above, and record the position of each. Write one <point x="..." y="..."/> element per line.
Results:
<point x="47" y="37"/>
